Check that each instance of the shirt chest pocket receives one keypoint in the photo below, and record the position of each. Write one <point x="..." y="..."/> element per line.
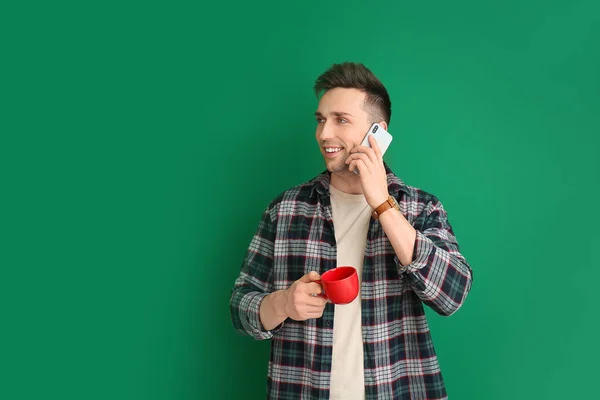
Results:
<point x="295" y="258"/>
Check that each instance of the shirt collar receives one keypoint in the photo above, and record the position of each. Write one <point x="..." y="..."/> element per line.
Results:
<point x="321" y="183"/>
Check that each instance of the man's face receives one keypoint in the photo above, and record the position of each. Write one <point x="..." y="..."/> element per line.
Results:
<point x="341" y="125"/>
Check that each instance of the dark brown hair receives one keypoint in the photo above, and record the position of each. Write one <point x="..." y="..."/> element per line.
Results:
<point x="354" y="75"/>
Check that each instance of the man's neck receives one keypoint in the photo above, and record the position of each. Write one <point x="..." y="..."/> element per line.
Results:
<point x="347" y="182"/>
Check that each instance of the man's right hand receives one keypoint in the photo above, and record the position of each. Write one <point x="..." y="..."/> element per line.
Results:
<point x="301" y="299"/>
<point x="298" y="302"/>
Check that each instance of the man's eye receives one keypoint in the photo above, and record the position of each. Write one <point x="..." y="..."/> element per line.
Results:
<point x="342" y="120"/>
<point x="320" y="120"/>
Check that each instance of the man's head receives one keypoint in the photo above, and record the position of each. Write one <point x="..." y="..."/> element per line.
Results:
<point x="352" y="99"/>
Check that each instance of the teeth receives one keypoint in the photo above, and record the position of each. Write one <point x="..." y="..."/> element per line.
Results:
<point x="333" y="150"/>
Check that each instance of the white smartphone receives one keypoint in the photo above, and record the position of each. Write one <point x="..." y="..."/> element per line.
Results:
<point x="382" y="137"/>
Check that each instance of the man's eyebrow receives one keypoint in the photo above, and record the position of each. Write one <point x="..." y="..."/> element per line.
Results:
<point x="335" y="113"/>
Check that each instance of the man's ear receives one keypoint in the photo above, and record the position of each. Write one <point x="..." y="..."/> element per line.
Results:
<point x="384" y="124"/>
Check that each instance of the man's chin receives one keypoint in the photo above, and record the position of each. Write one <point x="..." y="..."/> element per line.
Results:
<point x="338" y="168"/>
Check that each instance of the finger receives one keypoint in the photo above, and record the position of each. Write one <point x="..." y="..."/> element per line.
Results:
<point x="359" y="156"/>
<point x="365" y="150"/>
<point x="317" y="303"/>
<point x="375" y="147"/>
<point x="310" y="303"/>
<point x="314" y="288"/>
<point x="310" y="277"/>
<point x="359" y="165"/>
<point x="352" y="166"/>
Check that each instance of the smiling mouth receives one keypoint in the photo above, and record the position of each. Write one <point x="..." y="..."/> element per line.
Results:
<point x="330" y="151"/>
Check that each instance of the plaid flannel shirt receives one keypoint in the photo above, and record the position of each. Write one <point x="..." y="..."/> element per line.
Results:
<point x="296" y="236"/>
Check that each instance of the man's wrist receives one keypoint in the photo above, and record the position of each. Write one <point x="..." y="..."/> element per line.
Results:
<point x="278" y="301"/>
<point x="389" y="203"/>
<point x="378" y="202"/>
<point x="272" y="310"/>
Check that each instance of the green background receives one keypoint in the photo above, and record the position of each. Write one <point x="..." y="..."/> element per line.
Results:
<point x="140" y="143"/>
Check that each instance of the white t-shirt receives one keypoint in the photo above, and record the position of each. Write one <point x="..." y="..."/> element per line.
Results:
<point x="351" y="215"/>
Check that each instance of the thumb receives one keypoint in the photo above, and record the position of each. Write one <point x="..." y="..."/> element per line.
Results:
<point x="310" y="277"/>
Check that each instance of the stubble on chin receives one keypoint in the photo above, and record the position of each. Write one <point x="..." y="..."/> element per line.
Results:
<point x="338" y="167"/>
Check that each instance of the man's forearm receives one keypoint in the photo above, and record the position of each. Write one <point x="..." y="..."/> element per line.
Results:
<point x="400" y="233"/>
<point x="444" y="290"/>
<point x="272" y="310"/>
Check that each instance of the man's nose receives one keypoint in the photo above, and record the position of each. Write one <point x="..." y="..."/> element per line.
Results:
<point x="326" y="131"/>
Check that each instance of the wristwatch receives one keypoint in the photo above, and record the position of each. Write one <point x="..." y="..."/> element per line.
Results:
<point x="386" y="205"/>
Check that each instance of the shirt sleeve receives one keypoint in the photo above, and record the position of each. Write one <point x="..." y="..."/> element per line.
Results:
<point x="439" y="274"/>
<point x="254" y="282"/>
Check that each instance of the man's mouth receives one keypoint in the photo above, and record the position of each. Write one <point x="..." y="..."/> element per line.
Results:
<point x="331" y="152"/>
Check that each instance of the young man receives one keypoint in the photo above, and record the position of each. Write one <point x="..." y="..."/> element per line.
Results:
<point x="398" y="238"/>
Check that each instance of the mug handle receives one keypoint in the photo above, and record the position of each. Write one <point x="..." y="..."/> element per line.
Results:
<point x="322" y="294"/>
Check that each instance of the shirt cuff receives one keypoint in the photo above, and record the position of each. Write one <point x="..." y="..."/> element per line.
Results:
<point x="251" y="305"/>
<point x="421" y="254"/>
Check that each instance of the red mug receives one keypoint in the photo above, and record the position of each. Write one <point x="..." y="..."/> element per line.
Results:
<point x="340" y="285"/>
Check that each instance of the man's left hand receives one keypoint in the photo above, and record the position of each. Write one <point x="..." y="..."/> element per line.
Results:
<point x="373" y="177"/>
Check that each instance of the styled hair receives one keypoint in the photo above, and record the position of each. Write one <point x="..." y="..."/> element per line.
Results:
<point x="357" y="76"/>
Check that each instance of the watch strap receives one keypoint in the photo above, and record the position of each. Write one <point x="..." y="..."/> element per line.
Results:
<point x="383" y="207"/>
